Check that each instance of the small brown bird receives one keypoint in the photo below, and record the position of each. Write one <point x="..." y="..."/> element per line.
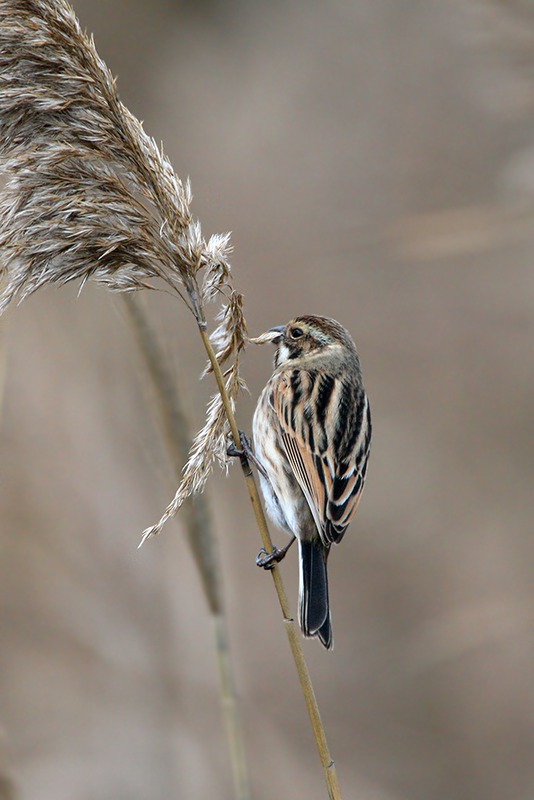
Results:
<point x="312" y="436"/>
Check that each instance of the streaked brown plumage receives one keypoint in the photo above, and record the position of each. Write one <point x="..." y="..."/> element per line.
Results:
<point x="312" y="435"/>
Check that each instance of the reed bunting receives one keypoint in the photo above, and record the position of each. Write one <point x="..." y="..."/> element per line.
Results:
<point x="312" y="436"/>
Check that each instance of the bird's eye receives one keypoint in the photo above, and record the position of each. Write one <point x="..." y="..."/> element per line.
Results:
<point x="296" y="333"/>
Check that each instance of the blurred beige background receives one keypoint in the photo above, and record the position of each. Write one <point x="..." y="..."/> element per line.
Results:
<point x="375" y="162"/>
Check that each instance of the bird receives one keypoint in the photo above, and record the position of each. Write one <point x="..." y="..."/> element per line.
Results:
<point x="312" y="438"/>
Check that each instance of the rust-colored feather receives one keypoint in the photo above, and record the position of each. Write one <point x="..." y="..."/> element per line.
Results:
<point x="328" y="454"/>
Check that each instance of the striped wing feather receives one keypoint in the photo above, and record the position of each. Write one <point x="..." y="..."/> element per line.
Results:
<point x="326" y="431"/>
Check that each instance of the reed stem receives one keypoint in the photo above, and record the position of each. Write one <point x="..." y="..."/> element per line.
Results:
<point x="327" y="763"/>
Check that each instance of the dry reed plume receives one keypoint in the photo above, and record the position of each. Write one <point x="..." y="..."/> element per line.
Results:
<point x="90" y="195"/>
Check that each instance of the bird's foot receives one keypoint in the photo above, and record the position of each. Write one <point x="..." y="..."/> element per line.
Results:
<point x="246" y="452"/>
<point x="246" y="447"/>
<point x="267" y="560"/>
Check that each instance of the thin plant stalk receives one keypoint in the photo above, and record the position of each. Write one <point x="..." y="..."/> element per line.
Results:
<point x="327" y="762"/>
<point x="198" y="525"/>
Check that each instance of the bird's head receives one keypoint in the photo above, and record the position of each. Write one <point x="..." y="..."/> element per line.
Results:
<point x="309" y="336"/>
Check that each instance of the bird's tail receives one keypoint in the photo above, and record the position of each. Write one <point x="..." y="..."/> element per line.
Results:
<point x="314" y="609"/>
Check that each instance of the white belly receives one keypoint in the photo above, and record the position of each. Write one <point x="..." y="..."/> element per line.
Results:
<point x="284" y="501"/>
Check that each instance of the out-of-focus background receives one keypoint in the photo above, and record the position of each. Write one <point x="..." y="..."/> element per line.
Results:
<point x="375" y="162"/>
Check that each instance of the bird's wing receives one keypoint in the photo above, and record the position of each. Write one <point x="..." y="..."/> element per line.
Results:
<point x="326" y="431"/>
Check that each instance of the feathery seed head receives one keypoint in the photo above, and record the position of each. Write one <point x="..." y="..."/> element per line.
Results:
<point x="90" y="195"/>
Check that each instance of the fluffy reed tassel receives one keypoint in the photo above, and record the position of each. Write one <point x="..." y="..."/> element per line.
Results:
<point x="90" y="195"/>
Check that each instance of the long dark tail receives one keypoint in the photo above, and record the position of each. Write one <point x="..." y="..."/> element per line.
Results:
<point x="314" y="609"/>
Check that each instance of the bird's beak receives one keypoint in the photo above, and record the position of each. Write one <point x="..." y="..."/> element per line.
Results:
<point x="274" y="336"/>
<point x="276" y="333"/>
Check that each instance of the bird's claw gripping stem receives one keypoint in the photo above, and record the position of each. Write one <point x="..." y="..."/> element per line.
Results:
<point x="270" y="560"/>
<point x="246" y="452"/>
